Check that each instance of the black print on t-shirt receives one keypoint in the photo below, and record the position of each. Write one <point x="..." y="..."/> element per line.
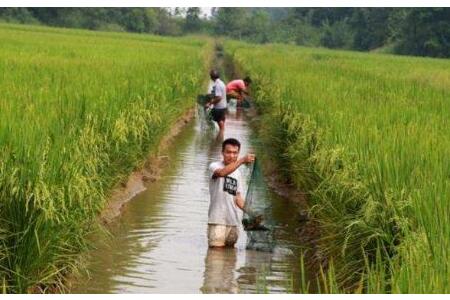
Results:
<point x="230" y="185"/>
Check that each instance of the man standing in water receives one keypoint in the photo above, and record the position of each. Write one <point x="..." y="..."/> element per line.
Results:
<point x="218" y="101"/>
<point x="225" y="189"/>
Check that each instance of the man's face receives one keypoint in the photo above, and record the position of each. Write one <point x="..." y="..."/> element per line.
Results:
<point x="230" y="154"/>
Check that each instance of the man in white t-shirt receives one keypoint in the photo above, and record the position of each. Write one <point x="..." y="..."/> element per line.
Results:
<point x="219" y="99"/>
<point x="225" y="188"/>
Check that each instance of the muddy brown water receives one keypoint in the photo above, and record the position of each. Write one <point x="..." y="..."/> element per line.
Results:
<point x="159" y="244"/>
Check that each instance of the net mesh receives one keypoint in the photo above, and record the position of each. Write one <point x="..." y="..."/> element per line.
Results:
<point x="257" y="213"/>
<point x="204" y="114"/>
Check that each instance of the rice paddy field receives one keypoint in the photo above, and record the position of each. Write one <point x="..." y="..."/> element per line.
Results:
<point x="368" y="137"/>
<point x="79" y="110"/>
<point x="365" y="135"/>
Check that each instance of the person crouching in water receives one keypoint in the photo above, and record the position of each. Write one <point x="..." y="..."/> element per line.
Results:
<point x="238" y="89"/>
<point x="225" y="189"/>
<point x="218" y="101"/>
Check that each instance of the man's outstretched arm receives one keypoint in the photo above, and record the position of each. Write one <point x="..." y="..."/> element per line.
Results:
<point x="230" y="168"/>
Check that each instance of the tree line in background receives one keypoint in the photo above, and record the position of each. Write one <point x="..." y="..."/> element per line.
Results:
<point x="413" y="31"/>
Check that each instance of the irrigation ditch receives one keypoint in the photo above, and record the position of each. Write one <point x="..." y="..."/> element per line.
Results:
<point x="157" y="222"/>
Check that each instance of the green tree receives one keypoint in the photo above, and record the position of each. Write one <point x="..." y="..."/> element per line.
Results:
<point x="192" y="21"/>
<point x="135" y="20"/>
<point x="378" y="20"/>
<point x="231" y="21"/>
<point x="359" y="23"/>
<point x="337" y="35"/>
<point x="17" y="14"/>
<point x="306" y="34"/>
<point x="167" y="24"/>
<point x="258" y="27"/>
<point x="151" y="20"/>
<point x="425" y="31"/>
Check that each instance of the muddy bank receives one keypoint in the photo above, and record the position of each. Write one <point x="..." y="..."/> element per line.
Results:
<point x="125" y="190"/>
<point x="139" y="180"/>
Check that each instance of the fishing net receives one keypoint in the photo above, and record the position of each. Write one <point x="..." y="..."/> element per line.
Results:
<point x="203" y="99"/>
<point x="204" y="114"/>
<point x="245" y="103"/>
<point x="257" y="213"/>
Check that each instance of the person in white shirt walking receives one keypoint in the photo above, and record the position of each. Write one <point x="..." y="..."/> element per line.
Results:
<point x="225" y="188"/>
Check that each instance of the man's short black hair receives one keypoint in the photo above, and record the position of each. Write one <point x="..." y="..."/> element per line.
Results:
<point x="214" y="74"/>
<point x="231" y="141"/>
<point x="248" y="79"/>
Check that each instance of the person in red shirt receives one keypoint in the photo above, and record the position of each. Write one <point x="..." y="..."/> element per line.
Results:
<point x="238" y="89"/>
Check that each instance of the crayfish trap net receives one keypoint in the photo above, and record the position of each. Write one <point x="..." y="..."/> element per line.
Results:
<point x="204" y="114"/>
<point x="257" y="218"/>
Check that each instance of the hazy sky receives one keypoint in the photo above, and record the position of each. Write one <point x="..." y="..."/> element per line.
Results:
<point x="206" y="10"/>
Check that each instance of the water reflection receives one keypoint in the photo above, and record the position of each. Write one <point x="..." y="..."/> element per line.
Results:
<point x="259" y="272"/>
<point x="219" y="277"/>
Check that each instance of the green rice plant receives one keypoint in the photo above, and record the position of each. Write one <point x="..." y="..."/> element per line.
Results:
<point x="366" y="135"/>
<point x="80" y="110"/>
